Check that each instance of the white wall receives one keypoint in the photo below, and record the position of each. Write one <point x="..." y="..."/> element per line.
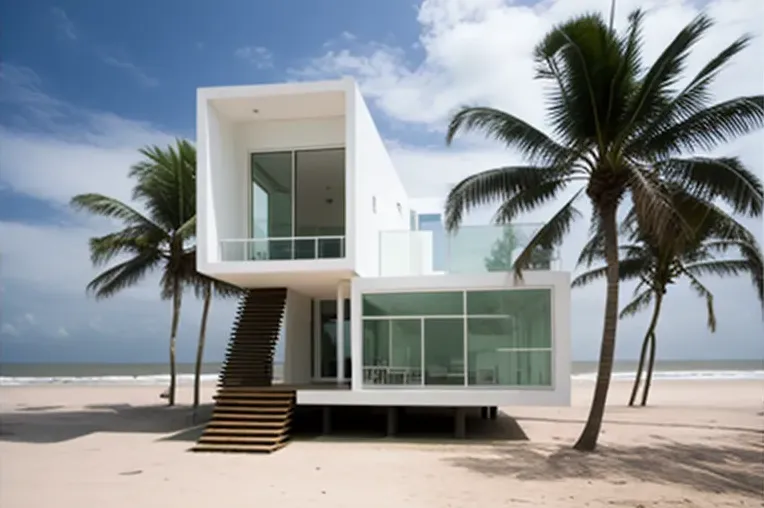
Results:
<point x="297" y="339"/>
<point x="558" y="394"/>
<point x="223" y="208"/>
<point x="405" y="253"/>
<point x="374" y="180"/>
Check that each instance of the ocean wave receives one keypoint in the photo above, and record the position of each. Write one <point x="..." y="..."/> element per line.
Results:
<point x="185" y="379"/>
<point x="148" y="380"/>
<point x="681" y="375"/>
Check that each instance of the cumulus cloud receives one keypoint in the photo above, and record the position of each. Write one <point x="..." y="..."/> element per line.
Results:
<point x="479" y="52"/>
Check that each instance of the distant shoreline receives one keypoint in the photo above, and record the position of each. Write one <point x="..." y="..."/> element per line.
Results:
<point x="157" y="374"/>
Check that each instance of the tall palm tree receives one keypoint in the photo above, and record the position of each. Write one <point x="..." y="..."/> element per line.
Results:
<point x="156" y="239"/>
<point x="658" y="264"/>
<point x="618" y="130"/>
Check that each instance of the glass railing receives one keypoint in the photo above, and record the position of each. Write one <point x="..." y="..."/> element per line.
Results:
<point x="472" y="249"/>
<point x="273" y="249"/>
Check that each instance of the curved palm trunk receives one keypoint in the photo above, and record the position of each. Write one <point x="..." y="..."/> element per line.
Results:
<point x="649" y="338"/>
<point x="588" y="439"/>
<point x="200" y="345"/>
<point x="650" y="364"/>
<point x="176" y="295"/>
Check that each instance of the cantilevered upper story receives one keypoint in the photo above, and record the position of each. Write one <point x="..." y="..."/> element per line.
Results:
<point x="294" y="185"/>
<point x="296" y="189"/>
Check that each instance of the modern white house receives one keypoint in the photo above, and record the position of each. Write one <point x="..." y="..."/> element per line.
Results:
<point x="299" y="202"/>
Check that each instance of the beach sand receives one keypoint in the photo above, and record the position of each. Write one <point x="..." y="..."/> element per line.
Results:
<point x="699" y="445"/>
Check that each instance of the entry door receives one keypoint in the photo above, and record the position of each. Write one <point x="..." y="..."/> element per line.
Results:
<point x="325" y="340"/>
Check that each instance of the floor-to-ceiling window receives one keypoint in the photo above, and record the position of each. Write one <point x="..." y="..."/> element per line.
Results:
<point x="473" y="338"/>
<point x="272" y="192"/>
<point x="327" y="336"/>
<point x="298" y="204"/>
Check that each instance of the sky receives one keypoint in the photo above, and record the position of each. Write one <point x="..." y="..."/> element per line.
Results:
<point x="84" y="84"/>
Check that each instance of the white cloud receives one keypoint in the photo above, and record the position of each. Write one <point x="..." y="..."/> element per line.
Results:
<point x="131" y="69"/>
<point x="9" y="329"/>
<point x="479" y="51"/>
<point x="29" y="318"/>
<point x="260" y="57"/>
<point x="64" y="25"/>
<point x="62" y="332"/>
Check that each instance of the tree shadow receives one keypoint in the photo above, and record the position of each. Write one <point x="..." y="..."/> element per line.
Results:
<point x="48" y="425"/>
<point x="737" y="468"/>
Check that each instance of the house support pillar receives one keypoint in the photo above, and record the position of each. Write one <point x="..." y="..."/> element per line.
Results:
<point x="392" y="421"/>
<point x="460" y="423"/>
<point x="326" y="419"/>
<point x="340" y="333"/>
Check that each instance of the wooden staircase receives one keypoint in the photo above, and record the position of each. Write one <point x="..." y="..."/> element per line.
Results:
<point x="250" y="415"/>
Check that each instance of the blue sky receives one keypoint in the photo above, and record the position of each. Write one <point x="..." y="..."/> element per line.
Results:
<point x="84" y="83"/>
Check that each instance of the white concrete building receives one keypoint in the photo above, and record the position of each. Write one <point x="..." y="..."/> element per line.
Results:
<point x="296" y="190"/>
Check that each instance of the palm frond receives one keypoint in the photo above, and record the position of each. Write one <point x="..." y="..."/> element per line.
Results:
<point x="534" y="145"/>
<point x="709" y="178"/>
<point x="704" y="293"/>
<point x="123" y="275"/>
<point x="637" y="304"/>
<point x="493" y="185"/>
<point x="112" y="208"/>
<point x="650" y="99"/>
<point x="706" y="129"/>
<point x="549" y="235"/>
<point x="131" y="240"/>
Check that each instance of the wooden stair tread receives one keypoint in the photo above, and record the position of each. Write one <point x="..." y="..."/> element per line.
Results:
<point x="220" y="422"/>
<point x="237" y="447"/>
<point x="241" y="439"/>
<point x="265" y="432"/>
<point x="249" y="417"/>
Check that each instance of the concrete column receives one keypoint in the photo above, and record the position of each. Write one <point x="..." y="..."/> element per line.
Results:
<point x="326" y="419"/>
<point x="493" y="412"/>
<point x="460" y="423"/>
<point x="392" y="421"/>
<point x="340" y="333"/>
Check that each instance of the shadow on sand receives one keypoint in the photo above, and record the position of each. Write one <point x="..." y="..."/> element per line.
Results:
<point x="360" y="424"/>
<point x="48" y="424"/>
<point x="738" y="468"/>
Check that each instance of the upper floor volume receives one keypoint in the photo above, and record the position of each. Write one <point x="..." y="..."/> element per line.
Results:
<point x="294" y="182"/>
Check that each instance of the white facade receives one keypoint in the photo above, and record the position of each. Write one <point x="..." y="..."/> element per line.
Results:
<point x="306" y="160"/>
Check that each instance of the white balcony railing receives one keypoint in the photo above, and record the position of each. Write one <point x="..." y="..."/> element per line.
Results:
<point x="282" y="248"/>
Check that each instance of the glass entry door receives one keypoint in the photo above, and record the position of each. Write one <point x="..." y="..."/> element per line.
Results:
<point x="325" y="340"/>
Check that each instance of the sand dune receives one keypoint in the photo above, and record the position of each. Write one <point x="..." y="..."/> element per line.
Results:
<point x="699" y="445"/>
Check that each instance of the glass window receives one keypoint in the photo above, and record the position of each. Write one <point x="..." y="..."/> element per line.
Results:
<point x="444" y="351"/>
<point x="506" y="302"/>
<point x="272" y="205"/>
<point x="413" y="304"/>
<point x="376" y="343"/>
<point x="515" y="347"/>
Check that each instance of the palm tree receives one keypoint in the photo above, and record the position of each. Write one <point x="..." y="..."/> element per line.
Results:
<point x="618" y="131"/>
<point x="659" y="264"/>
<point x="156" y="239"/>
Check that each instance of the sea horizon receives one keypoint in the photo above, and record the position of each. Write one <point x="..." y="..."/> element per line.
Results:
<point x="21" y="374"/>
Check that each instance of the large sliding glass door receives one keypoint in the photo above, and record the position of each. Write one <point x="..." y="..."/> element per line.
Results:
<point x="325" y="340"/>
<point x="298" y="204"/>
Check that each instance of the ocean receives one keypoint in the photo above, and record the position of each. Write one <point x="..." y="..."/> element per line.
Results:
<point x="20" y="374"/>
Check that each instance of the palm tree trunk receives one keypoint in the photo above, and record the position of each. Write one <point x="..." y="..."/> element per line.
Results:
<point x="640" y="366"/>
<point x="173" y="337"/>
<point x="588" y="439"/>
<point x="200" y="345"/>
<point x="650" y="364"/>
<point x="648" y="337"/>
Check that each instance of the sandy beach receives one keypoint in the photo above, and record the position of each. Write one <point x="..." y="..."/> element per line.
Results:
<point x="699" y="445"/>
